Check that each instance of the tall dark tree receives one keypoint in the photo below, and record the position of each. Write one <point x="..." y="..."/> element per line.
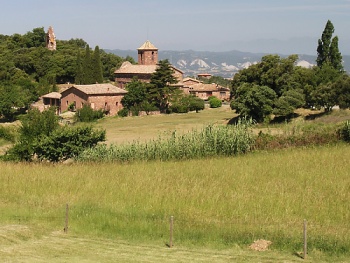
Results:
<point x="327" y="49"/>
<point x="87" y="67"/>
<point x="97" y="66"/>
<point x="79" y="75"/>
<point x="335" y="55"/>
<point x="160" y="88"/>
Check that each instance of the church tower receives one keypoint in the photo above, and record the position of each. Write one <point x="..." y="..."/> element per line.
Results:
<point x="147" y="54"/>
<point x="50" y="39"/>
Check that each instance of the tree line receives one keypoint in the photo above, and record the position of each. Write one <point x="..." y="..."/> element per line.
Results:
<point x="28" y="69"/>
<point x="277" y="86"/>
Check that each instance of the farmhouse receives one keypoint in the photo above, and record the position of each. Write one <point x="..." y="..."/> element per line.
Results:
<point x="106" y="97"/>
<point x="147" y="65"/>
<point x="204" y="91"/>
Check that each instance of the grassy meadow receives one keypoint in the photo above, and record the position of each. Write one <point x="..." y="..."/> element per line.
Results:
<point x="120" y="212"/>
<point x="216" y="203"/>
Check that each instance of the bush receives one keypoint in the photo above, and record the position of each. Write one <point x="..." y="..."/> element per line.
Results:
<point x="87" y="114"/>
<point x="197" y="104"/>
<point x="344" y="132"/>
<point x="123" y="112"/>
<point x="67" y="142"/>
<point x="214" y="102"/>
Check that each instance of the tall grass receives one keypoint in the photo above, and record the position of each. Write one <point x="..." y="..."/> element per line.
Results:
<point x="216" y="202"/>
<point x="212" y="140"/>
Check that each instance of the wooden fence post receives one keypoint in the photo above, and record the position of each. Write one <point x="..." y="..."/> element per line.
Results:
<point x="305" y="239"/>
<point x="171" y="231"/>
<point x="66" y="222"/>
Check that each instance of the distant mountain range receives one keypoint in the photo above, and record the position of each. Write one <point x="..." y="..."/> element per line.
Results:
<point x="224" y="64"/>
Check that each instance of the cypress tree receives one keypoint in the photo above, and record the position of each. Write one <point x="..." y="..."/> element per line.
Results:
<point x="97" y="66"/>
<point x="87" y="67"/>
<point x="327" y="50"/>
<point x="79" y="70"/>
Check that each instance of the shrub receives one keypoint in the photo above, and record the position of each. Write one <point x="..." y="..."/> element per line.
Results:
<point x="87" y="114"/>
<point x="196" y="104"/>
<point x="67" y="142"/>
<point x="123" y="112"/>
<point x="344" y="132"/>
<point x="214" y="102"/>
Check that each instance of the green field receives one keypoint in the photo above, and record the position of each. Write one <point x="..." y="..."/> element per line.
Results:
<point x="120" y="212"/>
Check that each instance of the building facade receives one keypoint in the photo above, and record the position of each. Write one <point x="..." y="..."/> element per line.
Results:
<point x="106" y="97"/>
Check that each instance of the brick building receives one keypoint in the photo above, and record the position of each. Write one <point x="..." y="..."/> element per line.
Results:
<point x="147" y="65"/>
<point x="99" y="96"/>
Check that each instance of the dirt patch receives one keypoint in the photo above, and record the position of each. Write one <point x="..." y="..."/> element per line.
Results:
<point x="260" y="245"/>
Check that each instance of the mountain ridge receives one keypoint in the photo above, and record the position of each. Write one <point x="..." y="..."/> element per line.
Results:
<point x="218" y="63"/>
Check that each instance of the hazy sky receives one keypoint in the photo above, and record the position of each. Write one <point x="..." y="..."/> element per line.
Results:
<point x="284" y="26"/>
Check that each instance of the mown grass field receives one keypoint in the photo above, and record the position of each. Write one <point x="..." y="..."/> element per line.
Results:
<point x="120" y="212"/>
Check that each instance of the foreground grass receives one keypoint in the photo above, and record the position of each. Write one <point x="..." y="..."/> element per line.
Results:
<point x="217" y="203"/>
<point x="20" y="246"/>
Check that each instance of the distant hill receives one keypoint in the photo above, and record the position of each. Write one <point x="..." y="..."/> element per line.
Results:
<point x="224" y="64"/>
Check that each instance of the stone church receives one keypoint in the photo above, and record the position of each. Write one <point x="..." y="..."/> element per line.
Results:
<point x="147" y="65"/>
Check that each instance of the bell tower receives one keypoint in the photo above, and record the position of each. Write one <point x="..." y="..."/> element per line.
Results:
<point x="50" y="39"/>
<point x="147" y="54"/>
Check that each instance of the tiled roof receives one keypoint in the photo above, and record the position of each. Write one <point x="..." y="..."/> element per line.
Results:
<point x="191" y="79"/>
<point x="147" y="46"/>
<point x="95" y="89"/>
<point x="207" y="87"/>
<point x="52" y="95"/>
<point x="127" y="67"/>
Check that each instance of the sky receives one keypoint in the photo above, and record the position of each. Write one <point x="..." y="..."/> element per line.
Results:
<point x="267" y="26"/>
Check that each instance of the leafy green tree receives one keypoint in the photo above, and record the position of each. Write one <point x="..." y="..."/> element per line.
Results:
<point x="325" y="97"/>
<point x="254" y="101"/>
<point x="35" y="38"/>
<point x="136" y="95"/>
<point x="288" y="102"/>
<point x="160" y="88"/>
<point x="327" y="49"/>
<point x="342" y="90"/>
<point x="13" y="99"/>
<point x="97" y="67"/>
<point x="34" y="125"/>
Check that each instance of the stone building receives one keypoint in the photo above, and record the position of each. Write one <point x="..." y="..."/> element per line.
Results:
<point x="147" y="65"/>
<point x="106" y="97"/>
<point x="204" y="91"/>
<point x="50" y="39"/>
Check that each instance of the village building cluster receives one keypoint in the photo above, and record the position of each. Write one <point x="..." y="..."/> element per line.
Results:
<point x="107" y="96"/>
